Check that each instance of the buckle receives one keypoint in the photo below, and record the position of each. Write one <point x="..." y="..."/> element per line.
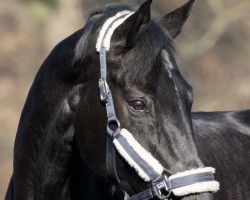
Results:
<point x="104" y="89"/>
<point x="163" y="192"/>
<point x="113" y="127"/>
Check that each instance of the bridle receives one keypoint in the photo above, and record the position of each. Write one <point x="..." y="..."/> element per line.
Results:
<point x="162" y="187"/>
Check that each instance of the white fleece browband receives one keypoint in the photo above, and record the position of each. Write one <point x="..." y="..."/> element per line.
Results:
<point x="210" y="186"/>
<point x="107" y="32"/>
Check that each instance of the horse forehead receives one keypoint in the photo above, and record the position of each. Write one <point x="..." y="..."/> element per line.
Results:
<point x="145" y="61"/>
<point x="174" y="74"/>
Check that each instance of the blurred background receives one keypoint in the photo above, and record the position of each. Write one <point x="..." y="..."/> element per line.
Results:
<point x="213" y="54"/>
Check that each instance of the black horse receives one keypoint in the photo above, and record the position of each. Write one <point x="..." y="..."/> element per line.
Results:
<point x="223" y="140"/>
<point x="60" y="147"/>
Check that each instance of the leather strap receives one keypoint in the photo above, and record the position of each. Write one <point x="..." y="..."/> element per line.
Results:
<point x="111" y="161"/>
<point x="147" y="194"/>
<point x="106" y="96"/>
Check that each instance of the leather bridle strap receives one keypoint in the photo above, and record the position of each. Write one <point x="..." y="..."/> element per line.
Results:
<point x="111" y="161"/>
<point x="106" y="96"/>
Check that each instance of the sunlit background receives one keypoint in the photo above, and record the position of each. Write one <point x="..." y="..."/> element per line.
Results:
<point x="213" y="54"/>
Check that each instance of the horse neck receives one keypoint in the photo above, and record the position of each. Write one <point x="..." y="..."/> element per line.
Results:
<point x="56" y="152"/>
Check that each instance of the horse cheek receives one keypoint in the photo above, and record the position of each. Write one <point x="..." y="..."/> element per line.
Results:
<point x="90" y="132"/>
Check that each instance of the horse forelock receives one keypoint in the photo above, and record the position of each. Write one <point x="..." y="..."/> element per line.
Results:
<point x="95" y="20"/>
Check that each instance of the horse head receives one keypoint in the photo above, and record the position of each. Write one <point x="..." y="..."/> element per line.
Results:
<point x="151" y="98"/>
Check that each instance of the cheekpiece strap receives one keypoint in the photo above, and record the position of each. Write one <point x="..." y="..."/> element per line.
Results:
<point x="102" y="46"/>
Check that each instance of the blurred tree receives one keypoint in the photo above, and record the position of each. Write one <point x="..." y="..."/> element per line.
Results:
<point x="49" y="3"/>
<point x="40" y="10"/>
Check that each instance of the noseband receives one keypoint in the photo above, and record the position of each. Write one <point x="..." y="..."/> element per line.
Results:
<point x="150" y="170"/>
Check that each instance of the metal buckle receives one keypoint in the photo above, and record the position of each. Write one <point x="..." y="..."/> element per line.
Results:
<point x="104" y="89"/>
<point x="163" y="191"/>
<point x="112" y="131"/>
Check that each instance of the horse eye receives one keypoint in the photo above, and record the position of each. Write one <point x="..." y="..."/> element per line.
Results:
<point x="137" y="105"/>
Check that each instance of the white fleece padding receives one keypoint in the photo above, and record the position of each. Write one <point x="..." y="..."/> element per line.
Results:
<point x="130" y="161"/>
<point x="210" y="186"/>
<point x="105" y="28"/>
<point x="143" y="153"/>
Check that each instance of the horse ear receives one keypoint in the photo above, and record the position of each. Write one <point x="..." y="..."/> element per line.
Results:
<point x="135" y="24"/>
<point x="174" y="20"/>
